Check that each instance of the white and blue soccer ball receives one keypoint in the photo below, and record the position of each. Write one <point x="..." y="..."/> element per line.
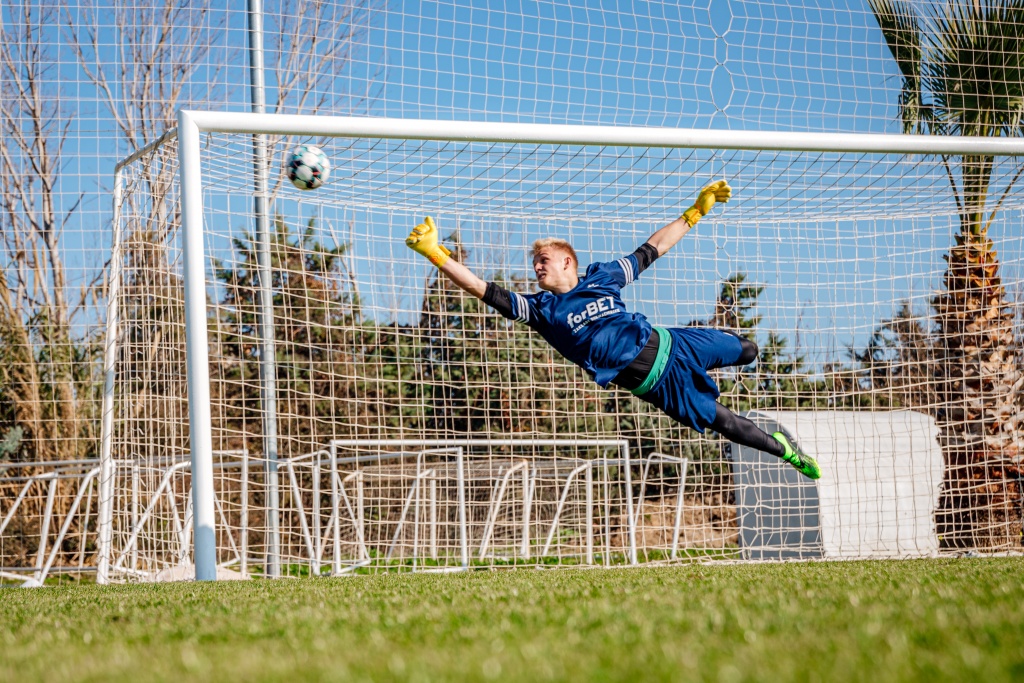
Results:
<point x="308" y="168"/>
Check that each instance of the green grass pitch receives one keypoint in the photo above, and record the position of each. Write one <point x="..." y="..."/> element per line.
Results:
<point x="925" y="620"/>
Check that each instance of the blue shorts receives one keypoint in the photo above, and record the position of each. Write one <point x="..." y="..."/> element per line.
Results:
<point x="684" y="391"/>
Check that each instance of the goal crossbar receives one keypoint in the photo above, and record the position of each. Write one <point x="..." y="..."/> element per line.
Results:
<point x="625" y="136"/>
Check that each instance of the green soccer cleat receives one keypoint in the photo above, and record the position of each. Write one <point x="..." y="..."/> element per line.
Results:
<point x="804" y="463"/>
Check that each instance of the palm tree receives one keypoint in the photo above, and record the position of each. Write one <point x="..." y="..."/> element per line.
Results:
<point x="962" y="69"/>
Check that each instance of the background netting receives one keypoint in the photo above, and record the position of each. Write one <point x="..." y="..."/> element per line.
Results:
<point x="91" y="83"/>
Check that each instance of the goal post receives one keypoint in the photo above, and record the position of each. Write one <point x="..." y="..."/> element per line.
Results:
<point x="571" y="176"/>
<point x="197" y="345"/>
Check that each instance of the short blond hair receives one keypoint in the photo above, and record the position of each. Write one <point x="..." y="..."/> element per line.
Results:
<point x="555" y="243"/>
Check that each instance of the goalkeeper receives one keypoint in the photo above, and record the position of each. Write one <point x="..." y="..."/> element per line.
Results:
<point x="586" y="321"/>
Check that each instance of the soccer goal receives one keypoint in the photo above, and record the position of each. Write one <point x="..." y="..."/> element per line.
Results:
<point x="301" y="394"/>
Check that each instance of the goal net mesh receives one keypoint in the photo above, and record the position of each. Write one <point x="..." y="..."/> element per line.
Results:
<point x="835" y="264"/>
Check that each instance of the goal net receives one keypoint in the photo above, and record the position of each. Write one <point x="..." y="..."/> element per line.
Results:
<point x="415" y="429"/>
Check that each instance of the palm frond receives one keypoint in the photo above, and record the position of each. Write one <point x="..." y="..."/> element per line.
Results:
<point x="901" y="29"/>
<point x="975" y="74"/>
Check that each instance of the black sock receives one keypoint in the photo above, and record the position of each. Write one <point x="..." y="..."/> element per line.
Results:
<point x="744" y="432"/>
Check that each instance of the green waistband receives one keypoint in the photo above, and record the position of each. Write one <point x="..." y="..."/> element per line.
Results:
<point x="660" y="362"/>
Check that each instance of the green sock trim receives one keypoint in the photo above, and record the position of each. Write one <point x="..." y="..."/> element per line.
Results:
<point x="660" y="362"/>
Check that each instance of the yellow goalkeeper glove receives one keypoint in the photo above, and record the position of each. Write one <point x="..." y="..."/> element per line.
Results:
<point x="708" y="197"/>
<point x="424" y="240"/>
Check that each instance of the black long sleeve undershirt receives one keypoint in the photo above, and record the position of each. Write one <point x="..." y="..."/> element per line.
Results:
<point x="498" y="298"/>
<point x="646" y="254"/>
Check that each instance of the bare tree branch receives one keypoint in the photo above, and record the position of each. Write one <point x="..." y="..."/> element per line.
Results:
<point x="38" y="349"/>
<point x="313" y="44"/>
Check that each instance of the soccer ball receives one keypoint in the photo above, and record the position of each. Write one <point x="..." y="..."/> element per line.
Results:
<point x="308" y="168"/>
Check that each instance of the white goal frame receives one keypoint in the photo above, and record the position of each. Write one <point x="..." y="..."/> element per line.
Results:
<point x="191" y="124"/>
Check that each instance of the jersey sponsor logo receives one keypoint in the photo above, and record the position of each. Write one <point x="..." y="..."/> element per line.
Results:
<point x="598" y="308"/>
<point x="592" y="286"/>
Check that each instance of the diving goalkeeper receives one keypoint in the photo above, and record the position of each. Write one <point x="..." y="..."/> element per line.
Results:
<point x="586" y="321"/>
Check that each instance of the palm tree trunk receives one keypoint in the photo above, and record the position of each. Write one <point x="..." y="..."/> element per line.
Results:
<point x="979" y="386"/>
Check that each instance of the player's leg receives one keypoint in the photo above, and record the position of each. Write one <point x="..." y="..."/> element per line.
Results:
<point x="711" y="348"/>
<point x="687" y="394"/>
<point x="744" y="432"/>
<point x="740" y="430"/>
<point x="748" y="351"/>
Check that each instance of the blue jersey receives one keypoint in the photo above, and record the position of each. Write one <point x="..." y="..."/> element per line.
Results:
<point x="589" y="324"/>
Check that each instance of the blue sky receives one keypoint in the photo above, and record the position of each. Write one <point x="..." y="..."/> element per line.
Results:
<point x="808" y="66"/>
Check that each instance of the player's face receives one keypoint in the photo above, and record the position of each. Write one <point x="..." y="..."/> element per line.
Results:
<point x="555" y="270"/>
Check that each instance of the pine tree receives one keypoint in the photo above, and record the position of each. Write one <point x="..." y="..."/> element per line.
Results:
<point x="316" y="321"/>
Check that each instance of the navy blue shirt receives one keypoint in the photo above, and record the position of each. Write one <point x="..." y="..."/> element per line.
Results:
<point x="589" y="324"/>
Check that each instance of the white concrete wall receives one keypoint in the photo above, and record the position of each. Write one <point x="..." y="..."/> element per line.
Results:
<point x="881" y="473"/>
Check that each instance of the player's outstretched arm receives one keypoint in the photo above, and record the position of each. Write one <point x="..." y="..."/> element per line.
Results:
<point x="666" y="238"/>
<point x="425" y="239"/>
